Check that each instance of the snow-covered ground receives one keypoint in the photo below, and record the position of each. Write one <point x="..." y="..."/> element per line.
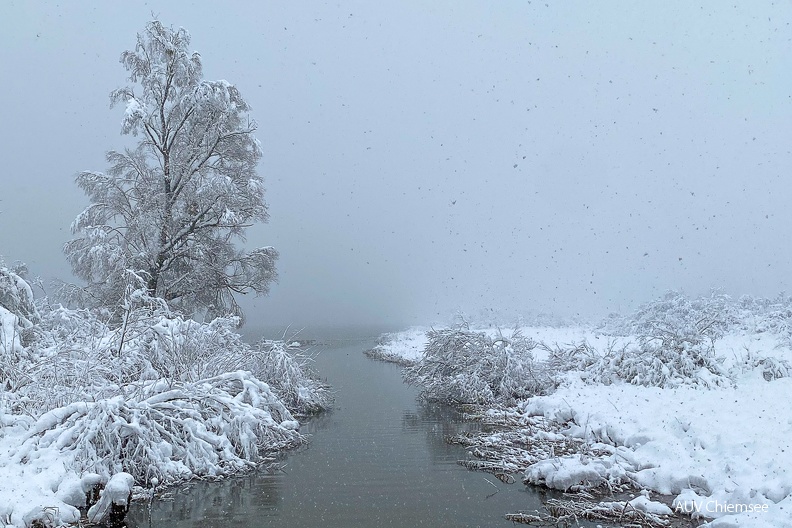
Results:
<point x="27" y="488"/>
<point x="718" y="449"/>
<point x="404" y="347"/>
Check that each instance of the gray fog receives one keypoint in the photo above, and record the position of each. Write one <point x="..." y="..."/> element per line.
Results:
<point x="423" y="158"/>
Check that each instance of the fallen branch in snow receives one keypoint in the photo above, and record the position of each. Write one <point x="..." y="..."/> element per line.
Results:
<point x="526" y="518"/>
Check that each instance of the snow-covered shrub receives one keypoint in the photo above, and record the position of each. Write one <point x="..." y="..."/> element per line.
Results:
<point x="773" y="368"/>
<point x="770" y="368"/>
<point x="16" y="296"/>
<point x="708" y="316"/>
<point x="287" y="372"/>
<point x="574" y="357"/>
<point x="167" y="430"/>
<point x="463" y="366"/>
<point x="185" y="350"/>
<point x="762" y="315"/>
<point x="675" y="338"/>
<point x="714" y="315"/>
<point x="146" y="391"/>
<point x="669" y="360"/>
<point x="82" y="358"/>
<point x="18" y="316"/>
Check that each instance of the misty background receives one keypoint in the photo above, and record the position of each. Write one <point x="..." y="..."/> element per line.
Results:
<point x="423" y="158"/>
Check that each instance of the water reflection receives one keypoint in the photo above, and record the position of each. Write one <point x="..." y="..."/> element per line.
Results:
<point x="437" y="423"/>
<point x="215" y="503"/>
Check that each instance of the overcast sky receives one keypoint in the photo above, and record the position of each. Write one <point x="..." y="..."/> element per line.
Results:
<point x="428" y="157"/>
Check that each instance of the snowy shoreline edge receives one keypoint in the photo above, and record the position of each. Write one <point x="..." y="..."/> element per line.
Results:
<point x="92" y="412"/>
<point x="721" y="439"/>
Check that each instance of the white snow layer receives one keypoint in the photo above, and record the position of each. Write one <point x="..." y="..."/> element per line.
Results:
<point x="118" y="492"/>
<point x="725" y="453"/>
<point x="403" y="347"/>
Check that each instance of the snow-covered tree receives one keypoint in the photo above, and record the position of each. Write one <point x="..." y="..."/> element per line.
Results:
<point x="173" y="207"/>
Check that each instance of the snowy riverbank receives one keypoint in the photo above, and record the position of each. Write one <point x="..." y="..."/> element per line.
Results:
<point x="709" y="424"/>
<point x="93" y="411"/>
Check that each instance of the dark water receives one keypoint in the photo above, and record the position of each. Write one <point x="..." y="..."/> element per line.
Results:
<point x="379" y="459"/>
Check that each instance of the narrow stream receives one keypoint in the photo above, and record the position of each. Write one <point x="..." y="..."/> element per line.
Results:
<point x="379" y="459"/>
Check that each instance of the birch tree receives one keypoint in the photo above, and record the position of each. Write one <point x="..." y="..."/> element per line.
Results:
<point x="173" y="208"/>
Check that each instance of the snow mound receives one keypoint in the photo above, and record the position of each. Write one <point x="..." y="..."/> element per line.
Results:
<point x="405" y="347"/>
<point x="645" y="504"/>
<point x="732" y="445"/>
<point x="114" y="497"/>
<point x="574" y="473"/>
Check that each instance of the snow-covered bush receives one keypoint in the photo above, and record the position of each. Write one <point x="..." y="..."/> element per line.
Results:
<point x="82" y="358"/>
<point x="144" y="392"/>
<point x="770" y="368"/>
<point x="573" y="357"/>
<point x="16" y="296"/>
<point x="18" y="317"/>
<point x="714" y="315"/>
<point x="762" y="315"/>
<point x="670" y="362"/>
<point x="463" y="366"/>
<point x="666" y="360"/>
<point x="673" y="345"/>
<point x="675" y="313"/>
<point x="286" y="371"/>
<point x="676" y="356"/>
<point x="168" y="431"/>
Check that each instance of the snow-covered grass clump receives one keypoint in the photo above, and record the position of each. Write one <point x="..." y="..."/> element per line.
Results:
<point x="687" y="397"/>
<point x="152" y="395"/>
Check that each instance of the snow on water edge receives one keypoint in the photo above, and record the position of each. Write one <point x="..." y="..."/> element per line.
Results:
<point x="718" y="450"/>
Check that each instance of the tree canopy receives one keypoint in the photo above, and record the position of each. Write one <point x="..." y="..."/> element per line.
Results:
<point x="172" y="208"/>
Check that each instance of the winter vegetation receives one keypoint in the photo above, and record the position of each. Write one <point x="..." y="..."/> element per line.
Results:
<point x="172" y="206"/>
<point x="686" y="398"/>
<point x="141" y="379"/>
<point x="159" y="398"/>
